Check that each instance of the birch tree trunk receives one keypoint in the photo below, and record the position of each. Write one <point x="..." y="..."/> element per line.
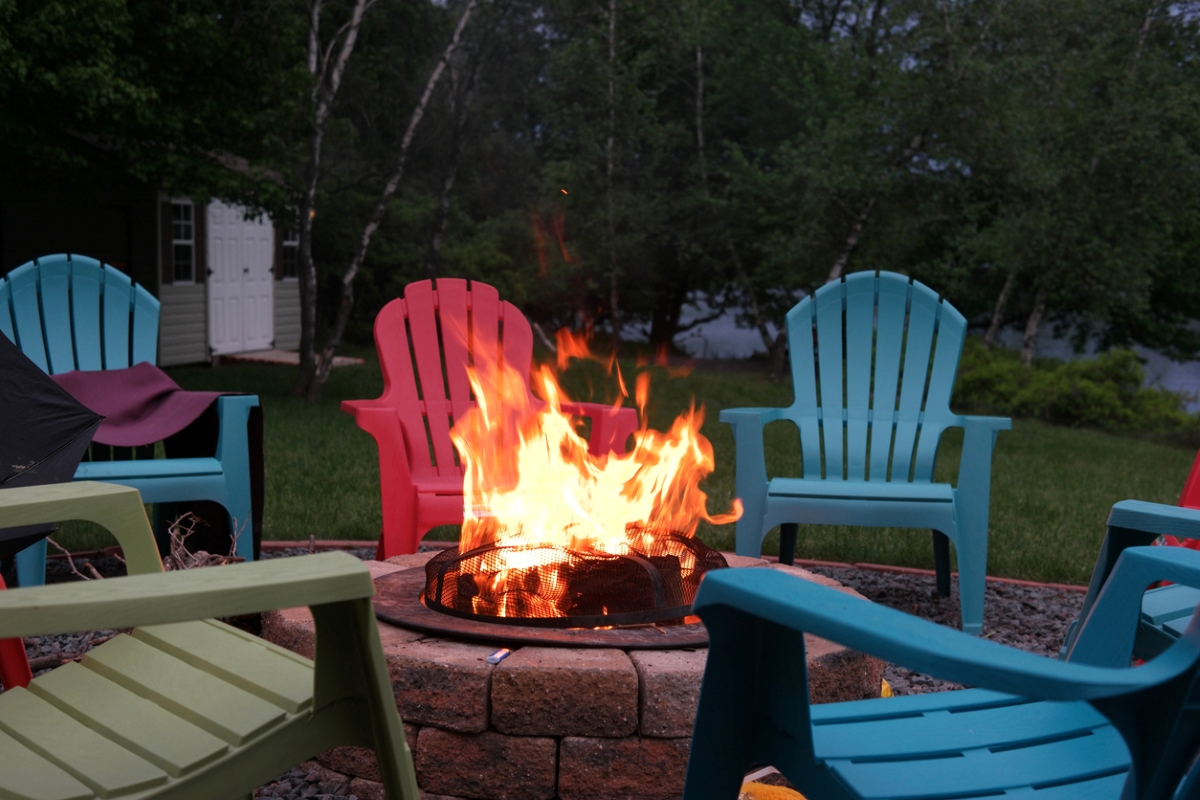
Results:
<point x="1029" y="344"/>
<point x="327" y="80"/>
<point x="460" y="107"/>
<point x="614" y="298"/>
<point x="851" y="244"/>
<point x="998" y="313"/>
<point x="860" y="221"/>
<point x="775" y="346"/>
<point x="311" y="383"/>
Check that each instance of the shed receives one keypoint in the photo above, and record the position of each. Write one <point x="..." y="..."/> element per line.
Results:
<point x="227" y="283"/>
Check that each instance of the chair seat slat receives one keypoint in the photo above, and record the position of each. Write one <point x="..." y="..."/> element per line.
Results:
<point x="169" y="742"/>
<point x="25" y="775"/>
<point x="249" y="666"/>
<point x="1097" y="755"/>
<point x="104" y="766"/>
<point x="232" y="714"/>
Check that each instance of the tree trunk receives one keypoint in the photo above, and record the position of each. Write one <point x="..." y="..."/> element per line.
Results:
<point x="860" y="221"/>
<point x="614" y="297"/>
<point x="739" y="267"/>
<point x="998" y="313"/>
<point x="324" y="362"/>
<point x="851" y="241"/>
<point x="460" y="107"/>
<point x="1029" y="345"/>
<point x="327" y="80"/>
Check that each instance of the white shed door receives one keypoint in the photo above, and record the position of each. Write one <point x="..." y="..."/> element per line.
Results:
<point x="241" y="314"/>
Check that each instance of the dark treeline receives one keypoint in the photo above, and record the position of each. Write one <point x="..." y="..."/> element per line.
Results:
<point x="601" y="161"/>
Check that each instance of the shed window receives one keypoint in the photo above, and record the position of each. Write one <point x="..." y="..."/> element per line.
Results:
<point x="183" y="241"/>
<point x="291" y="255"/>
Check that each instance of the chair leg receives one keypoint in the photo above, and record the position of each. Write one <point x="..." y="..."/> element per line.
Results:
<point x="972" y="579"/>
<point x="787" y="542"/>
<point x="31" y="565"/>
<point x="941" y="562"/>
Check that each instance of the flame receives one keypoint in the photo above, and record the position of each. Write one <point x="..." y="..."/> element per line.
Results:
<point x="530" y="482"/>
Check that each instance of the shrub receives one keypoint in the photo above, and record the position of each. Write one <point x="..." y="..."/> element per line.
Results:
<point x="1104" y="392"/>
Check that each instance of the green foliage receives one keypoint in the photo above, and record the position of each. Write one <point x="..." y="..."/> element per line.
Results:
<point x="1104" y="392"/>
<point x="174" y="91"/>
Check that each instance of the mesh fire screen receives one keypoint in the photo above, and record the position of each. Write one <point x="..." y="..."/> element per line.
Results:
<point x="553" y="586"/>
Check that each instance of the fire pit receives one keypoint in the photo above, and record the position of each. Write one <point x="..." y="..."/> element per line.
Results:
<point x="585" y="565"/>
<point x="551" y="586"/>
<point x="571" y="714"/>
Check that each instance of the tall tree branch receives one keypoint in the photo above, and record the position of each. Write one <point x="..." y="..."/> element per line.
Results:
<point x="325" y="90"/>
<point x="324" y="362"/>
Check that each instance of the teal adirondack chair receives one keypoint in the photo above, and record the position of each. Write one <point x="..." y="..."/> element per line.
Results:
<point x="1090" y="728"/>
<point x="873" y="359"/>
<point x="187" y="707"/>
<point x="1166" y="610"/>
<point x="70" y="312"/>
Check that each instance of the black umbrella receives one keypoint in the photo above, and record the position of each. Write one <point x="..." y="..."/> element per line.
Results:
<point x="44" y="433"/>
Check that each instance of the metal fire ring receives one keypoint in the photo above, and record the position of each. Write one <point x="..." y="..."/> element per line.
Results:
<point x="397" y="601"/>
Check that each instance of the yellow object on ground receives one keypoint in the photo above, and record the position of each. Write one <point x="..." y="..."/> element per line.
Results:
<point x="885" y="689"/>
<point x="762" y="791"/>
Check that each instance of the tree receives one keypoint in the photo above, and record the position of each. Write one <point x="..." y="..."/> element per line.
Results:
<point x="327" y="63"/>
<point x="195" y="96"/>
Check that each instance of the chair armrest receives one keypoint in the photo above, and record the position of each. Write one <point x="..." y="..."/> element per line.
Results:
<point x="749" y="457"/>
<point x="233" y="410"/>
<point x="798" y="605"/>
<point x="1156" y="519"/>
<point x="185" y="595"/>
<point x="117" y="508"/>
<point x="975" y="466"/>
<point x="354" y="406"/>
<point x="751" y="416"/>
<point x="611" y="426"/>
<point x="1108" y="626"/>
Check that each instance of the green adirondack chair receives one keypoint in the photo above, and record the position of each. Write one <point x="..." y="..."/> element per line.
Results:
<point x="1088" y="729"/>
<point x="185" y="706"/>
<point x="873" y="359"/>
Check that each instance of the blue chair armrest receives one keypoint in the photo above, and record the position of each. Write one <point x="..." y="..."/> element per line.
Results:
<point x="974" y="485"/>
<point x="803" y="607"/>
<point x="750" y="459"/>
<point x="1156" y="519"/>
<point x="1131" y="523"/>
<point x="752" y="416"/>
<point x="1109" y="628"/>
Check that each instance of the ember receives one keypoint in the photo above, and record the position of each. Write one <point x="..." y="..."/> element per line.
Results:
<point x="552" y="531"/>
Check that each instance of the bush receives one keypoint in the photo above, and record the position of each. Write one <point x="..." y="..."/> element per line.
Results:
<point x="1104" y="392"/>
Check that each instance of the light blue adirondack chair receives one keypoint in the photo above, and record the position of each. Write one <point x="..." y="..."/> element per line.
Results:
<point x="70" y="312"/>
<point x="873" y="361"/>
<point x="1091" y="728"/>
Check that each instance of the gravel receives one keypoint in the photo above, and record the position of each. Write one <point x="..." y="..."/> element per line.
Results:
<point x="1033" y="618"/>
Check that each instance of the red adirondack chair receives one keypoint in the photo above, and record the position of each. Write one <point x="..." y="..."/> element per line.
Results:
<point x="426" y="340"/>
<point x="14" y="664"/>
<point x="1190" y="498"/>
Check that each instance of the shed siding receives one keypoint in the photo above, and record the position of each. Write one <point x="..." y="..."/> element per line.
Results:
<point x="182" y="325"/>
<point x="287" y="314"/>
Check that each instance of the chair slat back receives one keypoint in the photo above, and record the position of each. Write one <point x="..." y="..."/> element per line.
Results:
<point x="873" y="387"/>
<point x="6" y="320"/>
<point x="87" y="280"/>
<point x="116" y="307"/>
<point x="805" y="411"/>
<point x="426" y="342"/>
<point x="55" y="294"/>
<point x="70" y="312"/>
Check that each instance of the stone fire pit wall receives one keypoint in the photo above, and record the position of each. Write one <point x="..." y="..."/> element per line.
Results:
<point x="551" y="723"/>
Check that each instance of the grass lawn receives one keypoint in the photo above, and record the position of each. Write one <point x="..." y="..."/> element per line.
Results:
<point x="1051" y="487"/>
